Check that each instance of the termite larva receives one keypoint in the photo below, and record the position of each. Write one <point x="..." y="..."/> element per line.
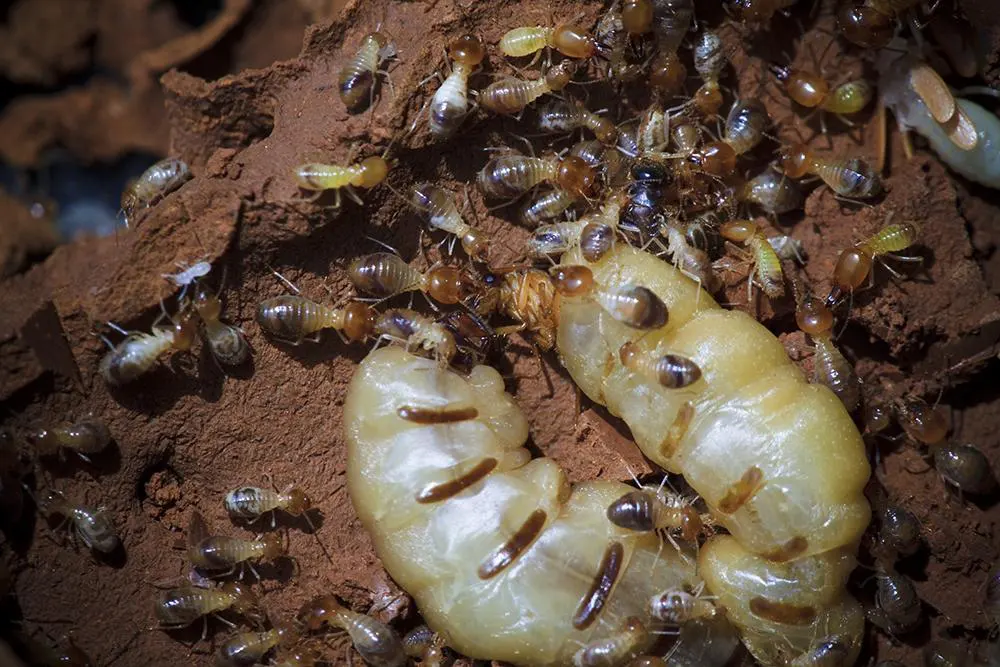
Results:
<point x="778" y="461"/>
<point x="357" y="78"/>
<point x="521" y="540"/>
<point x="293" y="318"/>
<point x="438" y="207"/>
<point x="87" y="436"/>
<point x="510" y="95"/>
<point x="155" y="183"/>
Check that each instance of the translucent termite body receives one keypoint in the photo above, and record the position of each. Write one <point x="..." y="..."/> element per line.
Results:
<point x="678" y="607"/>
<point x="226" y="341"/>
<point x="633" y="305"/>
<point x="871" y="23"/>
<point x="450" y="103"/>
<point x="563" y="117"/>
<point x="813" y="92"/>
<point x="567" y="39"/>
<point x="93" y="527"/>
<point x="547" y="206"/>
<point x="631" y="639"/>
<point x="385" y="274"/>
<point x="87" y="436"/>
<point x="594" y="233"/>
<point x="221" y="552"/>
<point x="533" y="540"/>
<point x="137" y="354"/>
<point x="510" y="96"/>
<point x="509" y="176"/>
<point x="670" y="370"/>
<point x="829" y="652"/>
<point x="757" y="442"/>
<point x="177" y="608"/>
<point x="965" y="467"/>
<point x="317" y="177"/>
<point x="899" y="530"/>
<point x="774" y="192"/>
<point x="655" y="509"/>
<point x="293" y="318"/>
<point x="853" y="178"/>
<point x="249" y="503"/>
<point x="249" y="648"/>
<point x="694" y="262"/>
<point x="766" y="264"/>
<point x="922" y="422"/>
<point x="829" y="365"/>
<point x="898" y="608"/>
<point x="159" y="180"/>
<point x="356" y="83"/>
<point x="376" y="642"/>
<point x="855" y="264"/>
<point x="417" y="332"/>
<point x="437" y="206"/>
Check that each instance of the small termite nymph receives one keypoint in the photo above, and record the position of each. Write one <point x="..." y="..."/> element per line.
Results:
<point x="154" y="184"/>
<point x="510" y="96"/>
<point x="417" y="333"/>
<point x="851" y="178"/>
<point x="633" y="305"/>
<point x="294" y="318"/>
<point x="855" y="263"/>
<point x="250" y="503"/>
<point x="672" y="371"/>
<point x="384" y="274"/>
<point x="450" y="103"/>
<point x="188" y="275"/>
<point x="87" y="436"/>
<point x="677" y="607"/>
<point x="226" y="341"/>
<point x="357" y="79"/>
<point x="766" y="264"/>
<point x="93" y="527"/>
<point x="378" y="644"/>
<point x="317" y="177"/>
<point x="136" y="355"/>
<point x="437" y="206"/>
<point x="829" y="365"/>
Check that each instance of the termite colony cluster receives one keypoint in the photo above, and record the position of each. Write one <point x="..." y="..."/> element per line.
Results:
<point x="634" y="228"/>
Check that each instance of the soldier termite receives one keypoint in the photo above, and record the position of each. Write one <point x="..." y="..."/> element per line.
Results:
<point x="356" y="83"/>
<point x="716" y="443"/>
<point x="850" y="178"/>
<point x="136" y="355"/>
<point x="633" y="305"/>
<point x="317" y="177"/>
<point x="159" y="180"/>
<point x="965" y="467"/>
<point x="249" y="648"/>
<point x="510" y="95"/>
<point x="226" y="341"/>
<point x="450" y="103"/>
<point x="564" y="117"/>
<point x="93" y="527"/>
<point x="510" y="176"/>
<point x="221" y="552"/>
<point x="766" y="264"/>
<point x="384" y="274"/>
<point x="87" y="436"/>
<point x="376" y="642"/>
<point x="417" y="333"/>
<point x="567" y="39"/>
<point x="854" y="265"/>
<point x="177" y="608"/>
<point x="437" y="206"/>
<point x="294" y="318"/>
<point x="774" y="192"/>
<point x="537" y="535"/>
<point x="829" y="365"/>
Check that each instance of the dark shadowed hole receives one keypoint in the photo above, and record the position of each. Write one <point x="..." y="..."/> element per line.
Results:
<point x="196" y="12"/>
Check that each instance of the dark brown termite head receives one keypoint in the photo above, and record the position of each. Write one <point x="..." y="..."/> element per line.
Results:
<point x="573" y="280"/>
<point x="576" y="176"/>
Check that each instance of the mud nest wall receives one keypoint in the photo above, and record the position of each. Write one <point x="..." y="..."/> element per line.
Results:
<point x="188" y="432"/>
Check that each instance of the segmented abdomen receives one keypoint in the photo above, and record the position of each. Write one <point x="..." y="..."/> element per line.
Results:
<point x="449" y="104"/>
<point x="513" y="175"/>
<point x="503" y="557"/>
<point x="249" y="502"/>
<point x="779" y="461"/>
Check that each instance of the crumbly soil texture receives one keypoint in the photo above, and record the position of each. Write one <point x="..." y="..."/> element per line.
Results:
<point x="189" y="431"/>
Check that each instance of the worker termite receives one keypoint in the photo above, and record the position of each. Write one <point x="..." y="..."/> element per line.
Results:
<point x="694" y="262"/>
<point x="417" y="333"/>
<point x="924" y="423"/>
<point x="871" y="23"/>
<point x="384" y="274"/>
<point x="851" y="178"/>
<point x="221" y="552"/>
<point x="564" y="117"/>
<point x="250" y="503"/>
<point x="226" y="341"/>
<point x="781" y="573"/>
<point x="437" y="206"/>
<point x="376" y="642"/>
<point x="527" y="296"/>
<point x="249" y="648"/>
<point x="356" y="83"/>
<point x="898" y="608"/>
<point x="510" y="176"/>
<point x="813" y="92"/>
<point x="293" y="318"/>
<point x="679" y="607"/>
<point x="567" y="39"/>
<point x="766" y="265"/>
<point x="177" y="608"/>
<point x="670" y="370"/>
<point x="829" y="365"/>
<point x="159" y="180"/>
<point x="594" y="233"/>
<point x="854" y="265"/>
<point x="899" y="530"/>
<point x="136" y="355"/>
<point x="655" y="509"/>
<point x="965" y="467"/>
<point x="450" y="103"/>
<point x="744" y="129"/>
<point x="92" y="526"/>
<point x="87" y="436"/>
<point x="633" y="305"/>
<point x="510" y="96"/>
<point x="318" y="177"/>
<point x="631" y="639"/>
<point x="425" y="645"/>
<point x="773" y="191"/>
<point x="531" y="540"/>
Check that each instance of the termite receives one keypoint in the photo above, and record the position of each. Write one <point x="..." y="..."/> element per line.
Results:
<point x="437" y="206"/>
<point x="159" y="180"/>
<point x="249" y="648"/>
<point x="417" y="333"/>
<point x="781" y="573"/>
<point x="670" y="370"/>
<point x="226" y="341"/>
<point x="87" y="436"/>
<point x="645" y="196"/>
<point x="594" y="233"/>
<point x="250" y="503"/>
<point x="356" y="83"/>
<point x="851" y="178"/>
<point x="829" y="365"/>
<point x="635" y="306"/>
<point x="709" y="61"/>
<point x="694" y="262"/>
<point x="177" y="608"/>
<point x="871" y="23"/>
<point x="609" y="162"/>
<point x="450" y="103"/>
<point x="137" y="354"/>
<point x="385" y="274"/>
<point x="812" y="91"/>
<point x="679" y="607"/>
<point x="744" y="129"/>
<point x="511" y="175"/>
<point x="564" y="117"/>
<point x="427" y="646"/>
<point x="855" y="264"/>
<point x="376" y="642"/>
<point x="475" y="340"/>
<point x="899" y="530"/>
<point x="293" y="318"/>
<point x="898" y="608"/>
<point x="510" y="96"/>
<point x="654" y="509"/>
<point x="922" y="422"/>
<point x="547" y="206"/>
<point x="946" y="653"/>
<point x="567" y="39"/>
<point x="221" y="552"/>
<point x="317" y="177"/>
<point x="527" y="296"/>
<point x="670" y="23"/>
<point x="517" y="529"/>
<point x="788" y="248"/>
<point x="188" y="275"/>
<point x="92" y="526"/>
<point x="965" y="467"/>
<point x="774" y="192"/>
<point x="757" y="12"/>
<point x="828" y="652"/>
<point x="632" y="639"/>
<point x="766" y="264"/>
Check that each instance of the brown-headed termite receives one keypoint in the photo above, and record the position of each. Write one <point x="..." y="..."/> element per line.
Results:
<point x="376" y="642"/>
<point x="766" y="264"/>
<point x="855" y="264"/>
<point x="92" y="526"/>
<point x="221" y="552"/>
<point x="318" y="177"/>
<point x="450" y="103"/>
<point x="510" y="95"/>
<point x="830" y="367"/>
<point x="226" y="341"/>
<point x="137" y="354"/>
<point x="438" y="208"/>
<point x="159" y="180"/>
<point x="85" y="437"/>
<point x="635" y="306"/>
<point x="563" y="117"/>
<point x="850" y="178"/>
<point x="249" y="648"/>
<point x="567" y="39"/>
<point x="356" y="83"/>
<point x="511" y="175"/>
<point x="250" y="503"/>
<point x="177" y="608"/>
<point x="385" y="274"/>
<point x="294" y="318"/>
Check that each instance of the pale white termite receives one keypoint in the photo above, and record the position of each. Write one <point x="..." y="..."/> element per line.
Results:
<point x="450" y="103"/>
<point x="482" y="536"/>
<point x="778" y="461"/>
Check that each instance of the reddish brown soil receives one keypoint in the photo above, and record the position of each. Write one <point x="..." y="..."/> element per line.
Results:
<point x="188" y="432"/>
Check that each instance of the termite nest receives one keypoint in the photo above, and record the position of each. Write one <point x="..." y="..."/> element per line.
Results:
<point x="646" y="191"/>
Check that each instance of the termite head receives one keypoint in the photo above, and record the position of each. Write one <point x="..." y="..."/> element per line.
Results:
<point x="573" y="280"/>
<point x="667" y="74"/>
<point x="558" y="76"/>
<point x="628" y="354"/>
<point x="185" y="330"/>
<point x="794" y="160"/>
<point x="206" y="302"/>
<point x="296" y="502"/>
<point x="813" y="317"/>
<point x="576" y="175"/>
<point x="922" y="422"/>
<point x="738" y="231"/>
<point x="865" y="26"/>
<point x="274" y="546"/>
<point x="374" y="169"/>
<point x="637" y="16"/>
<point x="318" y="612"/>
<point x="245" y="601"/>
<point x="359" y="321"/>
<point x="467" y="50"/>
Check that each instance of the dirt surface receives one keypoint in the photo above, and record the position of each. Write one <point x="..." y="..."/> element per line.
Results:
<point x="188" y="432"/>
